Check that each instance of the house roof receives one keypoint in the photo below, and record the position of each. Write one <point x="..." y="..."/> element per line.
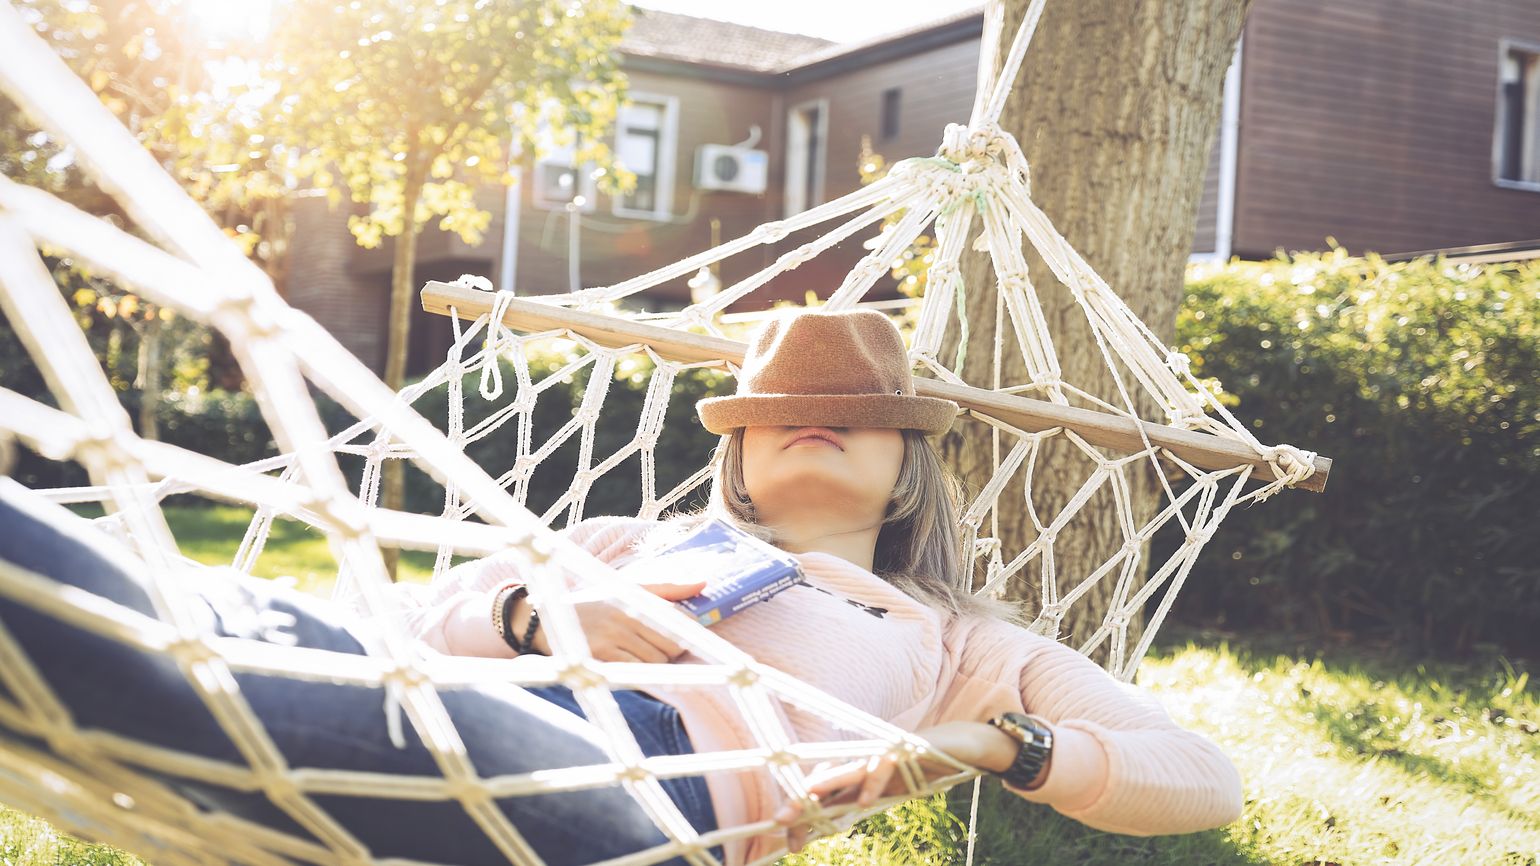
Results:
<point x="726" y="51"/>
<point x="833" y="51"/>
<point x="685" y="38"/>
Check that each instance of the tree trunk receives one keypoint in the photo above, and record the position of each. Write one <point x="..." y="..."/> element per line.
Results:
<point x="148" y="380"/>
<point x="1116" y="108"/>
<point x="402" y="285"/>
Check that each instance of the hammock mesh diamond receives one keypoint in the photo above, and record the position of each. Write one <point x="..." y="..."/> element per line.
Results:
<point x="110" y="788"/>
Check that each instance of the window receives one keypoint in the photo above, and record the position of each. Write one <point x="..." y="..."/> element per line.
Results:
<point x="645" y="133"/>
<point x="807" y="128"/>
<point x="1516" y="145"/>
<point x="890" y="101"/>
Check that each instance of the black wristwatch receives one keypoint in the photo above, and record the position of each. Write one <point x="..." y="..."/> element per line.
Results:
<point x="1036" y="739"/>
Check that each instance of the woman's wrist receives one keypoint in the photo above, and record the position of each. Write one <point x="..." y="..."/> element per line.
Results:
<point x="1000" y="752"/>
<point x="512" y="614"/>
<point x="518" y="625"/>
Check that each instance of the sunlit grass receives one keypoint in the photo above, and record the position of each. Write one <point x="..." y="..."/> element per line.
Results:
<point x="211" y="535"/>
<point x="27" y="841"/>
<point x="294" y="552"/>
<point x="1357" y="760"/>
<point x="1349" y="755"/>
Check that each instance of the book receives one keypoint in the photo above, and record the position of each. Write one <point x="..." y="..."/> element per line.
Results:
<point x="740" y="570"/>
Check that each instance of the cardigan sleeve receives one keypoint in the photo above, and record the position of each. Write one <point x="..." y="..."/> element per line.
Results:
<point x="1120" y="763"/>
<point x="427" y="609"/>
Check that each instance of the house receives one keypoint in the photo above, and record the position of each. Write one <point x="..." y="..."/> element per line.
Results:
<point x="1389" y="125"/>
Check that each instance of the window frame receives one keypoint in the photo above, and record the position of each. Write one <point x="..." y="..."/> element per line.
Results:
<point x="816" y="171"/>
<point x="1531" y="142"/>
<point x="667" y="159"/>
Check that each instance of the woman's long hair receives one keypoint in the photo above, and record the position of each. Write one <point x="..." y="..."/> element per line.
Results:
<point x="919" y="547"/>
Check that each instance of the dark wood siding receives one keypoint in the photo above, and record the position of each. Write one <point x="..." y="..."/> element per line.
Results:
<point x="353" y="307"/>
<point x="936" y="89"/>
<point x="1372" y="122"/>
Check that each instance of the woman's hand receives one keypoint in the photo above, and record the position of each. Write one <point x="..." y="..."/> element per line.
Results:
<point x="616" y="636"/>
<point x="867" y="780"/>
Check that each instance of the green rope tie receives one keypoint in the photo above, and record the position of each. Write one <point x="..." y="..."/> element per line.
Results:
<point x="962" y="322"/>
<point x="980" y="199"/>
<point x="938" y="161"/>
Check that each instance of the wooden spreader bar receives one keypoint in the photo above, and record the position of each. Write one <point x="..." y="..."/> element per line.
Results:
<point x="1203" y="450"/>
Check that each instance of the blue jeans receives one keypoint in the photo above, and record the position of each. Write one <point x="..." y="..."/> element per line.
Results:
<point x="506" y="729"/>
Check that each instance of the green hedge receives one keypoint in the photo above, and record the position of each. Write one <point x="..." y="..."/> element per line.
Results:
<point x="1422" y="381"/>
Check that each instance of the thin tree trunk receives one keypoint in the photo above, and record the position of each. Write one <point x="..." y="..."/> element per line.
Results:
<point x="393" y="480"/>
<point x="1116" y="108"/>
<point x="149" y="377"/>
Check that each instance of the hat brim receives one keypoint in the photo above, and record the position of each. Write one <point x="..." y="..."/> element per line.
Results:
<point x="932" y="415"/>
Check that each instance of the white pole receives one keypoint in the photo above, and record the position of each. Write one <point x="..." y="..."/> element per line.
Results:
<point x="508" y="264"/>
<point x="1229" y="145"/>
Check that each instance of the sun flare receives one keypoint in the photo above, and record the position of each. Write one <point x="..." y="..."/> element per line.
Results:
<point x="230" y="20"/>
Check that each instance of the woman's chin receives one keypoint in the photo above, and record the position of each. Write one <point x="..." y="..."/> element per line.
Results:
<point x="814" y="497"/>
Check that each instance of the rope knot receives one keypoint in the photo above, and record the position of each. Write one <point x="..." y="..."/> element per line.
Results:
<point x="474" y="281"/>
<point x="342" y="514"/>
<point x="99" y="448"/>
<point x="579" y="675"/>
<point x="1296" y="464"/>
<point x="1291" y="466"/>
<point x="771" y="232"/>
<point x="980" y="145"/>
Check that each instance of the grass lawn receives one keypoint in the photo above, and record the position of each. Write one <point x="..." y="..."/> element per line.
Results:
<point x="211" y="535"/>
<point x="1350" y="755"/>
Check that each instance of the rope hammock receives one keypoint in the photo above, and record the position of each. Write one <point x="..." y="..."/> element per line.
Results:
<point x="111" y="788"/>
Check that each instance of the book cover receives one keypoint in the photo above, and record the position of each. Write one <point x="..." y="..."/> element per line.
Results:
<point x="740" y="570"/>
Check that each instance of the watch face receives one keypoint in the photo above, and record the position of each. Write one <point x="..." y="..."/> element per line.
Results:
<point x="1021" y="726"/>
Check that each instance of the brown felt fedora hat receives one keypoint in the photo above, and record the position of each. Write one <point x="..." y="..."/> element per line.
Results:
<point x="844" y="369"/>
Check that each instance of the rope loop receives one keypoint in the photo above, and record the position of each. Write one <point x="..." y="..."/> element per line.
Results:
<point x="491" y="372"/>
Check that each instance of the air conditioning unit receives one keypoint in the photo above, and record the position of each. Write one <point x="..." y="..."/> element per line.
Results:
<point x="731" y="168"/>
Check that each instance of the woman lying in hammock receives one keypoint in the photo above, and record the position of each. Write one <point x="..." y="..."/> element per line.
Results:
<point x="881" y="623"/>
<point x="825" y="455"/>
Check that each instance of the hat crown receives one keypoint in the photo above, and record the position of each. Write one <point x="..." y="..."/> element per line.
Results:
<point x="849" y="352"/>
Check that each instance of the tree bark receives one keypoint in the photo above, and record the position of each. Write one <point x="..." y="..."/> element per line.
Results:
<point x="148" y="380"/>
<point x="393" y="478"/>
<point x="1116" y="108"/>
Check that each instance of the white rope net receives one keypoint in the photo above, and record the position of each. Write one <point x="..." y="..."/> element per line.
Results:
<point x="90" y="782"/>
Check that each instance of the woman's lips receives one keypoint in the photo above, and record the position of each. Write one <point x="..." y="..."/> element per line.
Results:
<point x="815" y="435"/>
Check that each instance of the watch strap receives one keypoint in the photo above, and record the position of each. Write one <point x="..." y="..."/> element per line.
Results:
<point x="1036" y="746"/>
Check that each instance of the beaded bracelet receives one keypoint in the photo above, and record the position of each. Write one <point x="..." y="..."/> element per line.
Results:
<point x="502" y="619"/>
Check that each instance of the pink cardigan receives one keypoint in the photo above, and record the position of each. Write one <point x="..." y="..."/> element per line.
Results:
<point x="1120" y="763"/>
